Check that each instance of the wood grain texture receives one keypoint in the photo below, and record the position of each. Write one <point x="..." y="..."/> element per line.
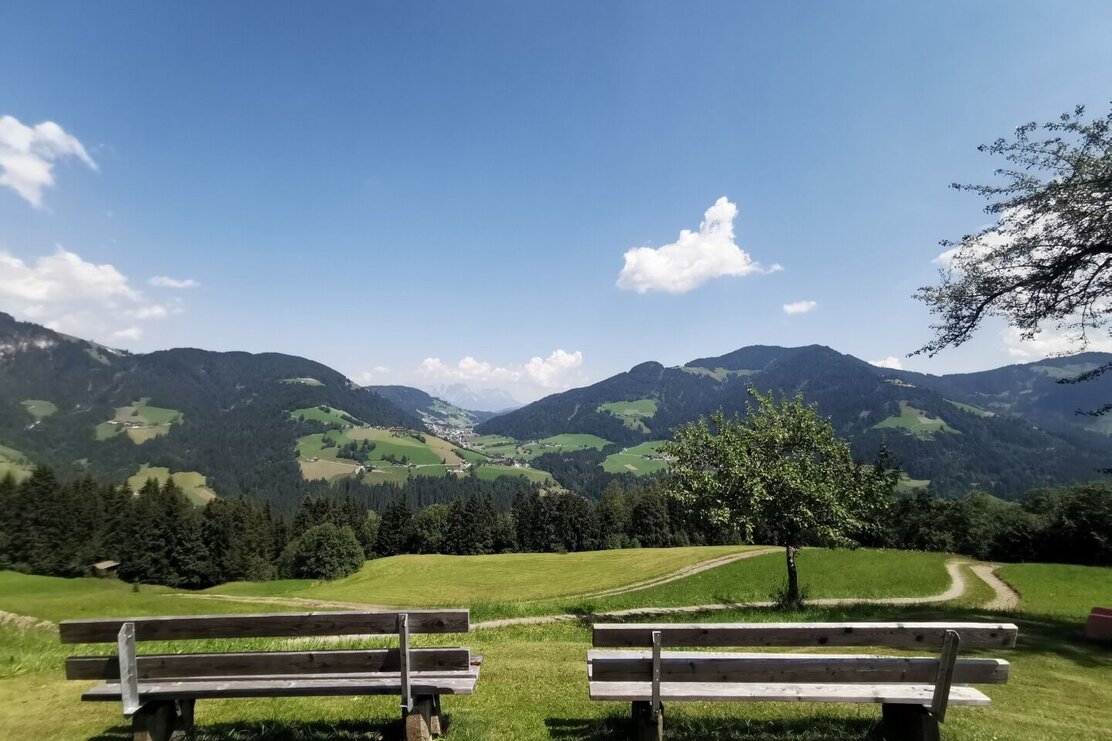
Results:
<point x="916" y="694"/>
<point x="264" y="625"/>
<point x="678" y="666"/>
<point x="892" y="635"/>
<point x="165" y="666"/>
<point x="297" y="687"/>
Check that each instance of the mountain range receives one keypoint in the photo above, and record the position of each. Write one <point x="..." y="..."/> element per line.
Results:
<point x="228" y="416"/>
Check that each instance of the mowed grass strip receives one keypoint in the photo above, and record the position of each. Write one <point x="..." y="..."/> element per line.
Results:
<point x="436" y="580"/>
<point x="1061" y="590"/>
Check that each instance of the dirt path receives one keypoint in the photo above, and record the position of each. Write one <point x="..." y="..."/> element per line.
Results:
<point x="956" y="589"/>
<point x="283" y="601"/>
<point x="674" y="576"/>
<point x="22" y="621"/>
<point x="1007" y="598"/>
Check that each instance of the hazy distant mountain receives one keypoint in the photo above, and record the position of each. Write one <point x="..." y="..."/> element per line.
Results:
<point x="78" y="406"/>
<point x="467" y="397"/>
<point x="430" y="408"/>
<point x="1005" y="430"/>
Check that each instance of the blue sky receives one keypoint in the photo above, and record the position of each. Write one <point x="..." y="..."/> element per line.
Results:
<point x="392" y="188"/>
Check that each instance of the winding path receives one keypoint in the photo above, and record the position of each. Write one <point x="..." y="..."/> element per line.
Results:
<point x="1007" y="597"/>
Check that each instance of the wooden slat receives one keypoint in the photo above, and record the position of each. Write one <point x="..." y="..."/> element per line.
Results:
<point x="678" y="666"/>
<point x="894" y="635"/>
<point x="149" y="691"/>
<point x="909" y="694"/>
<point x="165" y="666"/>
<point x="944" y="676"/>
<point x="265" y="625"/>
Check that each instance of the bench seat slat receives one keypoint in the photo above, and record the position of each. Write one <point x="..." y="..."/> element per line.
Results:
<point x="162" y="666"/>
<point x="900" y="694"/>
<point x="679" y="666"/>
<point x="891" y="635"/>
<point x="286" y="687"/>
<point x="263" y="625"/>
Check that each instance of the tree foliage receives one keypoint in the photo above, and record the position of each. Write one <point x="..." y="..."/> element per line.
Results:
<point x="1048" y="257"/>
<point x="782" y="474"/>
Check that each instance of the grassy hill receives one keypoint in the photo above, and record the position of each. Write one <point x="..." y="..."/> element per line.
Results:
<point x="1058" y="689"/>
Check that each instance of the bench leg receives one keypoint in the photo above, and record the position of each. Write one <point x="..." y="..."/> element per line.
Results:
<point x="185" y="714"/>
<point x="153" y="722"/>
<point x="645" y="727"/>
<point x="436" y="721"/>
<point x="418" y="721"/>
<point x="908" y="723"/>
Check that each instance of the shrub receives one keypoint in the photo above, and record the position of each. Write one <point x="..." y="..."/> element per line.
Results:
<point x="326" y="552"/>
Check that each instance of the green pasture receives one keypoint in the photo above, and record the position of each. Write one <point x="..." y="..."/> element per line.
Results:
<point x="39" y="408"/>
<point x="632" y="460"/>
<point x="566" y="443"/>
<point x="140" y="421"/>
<point x="906" y="483"/>
<point x="914" y="422"/>
<point x="192" y="483"/>
<point x="533" y="684"/>
<point x="329" y="416"/>
<point x="304" y="381"/>
<point x="471" y="456"/>
<point x="14" y="462"/>
<point x="1059" y="589"/>
<point x="489" y="472"/>
<point x="632" y="413"/>
<point x="979" y="411"/>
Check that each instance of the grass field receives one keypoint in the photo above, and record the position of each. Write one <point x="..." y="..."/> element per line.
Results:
<point x="140" y="421"/>
<point x="328" y="416"/>
<point x="906" y="483"/>
<point x="632" y="460"/>
<point x="489" y="472"/>
<point x="1060" y="589"/>
<point x="915" y="422"/>
<point x="533" y="684"/>
<point x="304" y="381"/>
<point x="191" y="482"/>
<point x="632" y="413"/>
<point x="566" y="443"/>
<point x="39" y="408"/>
<point x="13" y="462"/>
<point x="971" y="409"/>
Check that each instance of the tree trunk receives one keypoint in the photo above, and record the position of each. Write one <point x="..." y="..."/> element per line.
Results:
<point x="793" y="576"/>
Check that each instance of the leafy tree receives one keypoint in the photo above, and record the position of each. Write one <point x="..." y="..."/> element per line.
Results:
<point x="781" y="471"/>
<point x="430" y="526"/>
<point x="1048" y="257"/>
<point x="649" y="523"/>
<point x="327" y="551"/>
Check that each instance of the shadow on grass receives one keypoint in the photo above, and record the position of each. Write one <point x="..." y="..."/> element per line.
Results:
<point x="815" y="728"/>
<point x="279" y="730"/>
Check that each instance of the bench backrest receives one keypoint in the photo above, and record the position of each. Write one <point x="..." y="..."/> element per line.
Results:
<point x="129" y="668"/>
<point x="743" y="635"/>
<point x="264" y="625"/>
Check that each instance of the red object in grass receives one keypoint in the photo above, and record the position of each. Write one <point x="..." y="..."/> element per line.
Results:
<point x="1099" y="625"/>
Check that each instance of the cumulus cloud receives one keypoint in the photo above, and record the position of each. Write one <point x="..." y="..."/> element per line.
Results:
<point x="163" y="281"/>
<point x="889" y="362"/>
<point x="376" y="373"/>
<point x="28" y="155"/>
<point x="1048" y="343"/>
<point x="558" y="371"/>
<point x="693" y="259"/>
<point x="800" y="307"/>
<point x="69" y="294"/>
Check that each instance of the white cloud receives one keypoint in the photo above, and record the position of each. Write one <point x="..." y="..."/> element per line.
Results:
<point x="559" y="371"/>
<point x="368" y="377"/>
<point x="889" y="362"/>
<point x="1048" y="343"/>
<point x="693" y="259"/>
<point x="28" y="154"/>
<point x="69" y="294"/>
<point x="163" y="281"/>
<point x="800" y="307"/>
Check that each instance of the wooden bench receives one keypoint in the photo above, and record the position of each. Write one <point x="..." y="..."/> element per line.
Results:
<point x="158" y="691"/>
<point x="914" y="691"/>
<point x="1099" y="625"/>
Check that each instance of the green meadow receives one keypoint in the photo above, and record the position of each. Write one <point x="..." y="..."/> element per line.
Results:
<point x="192" y="483"/>
<point x="39" y="408"/>
<point x="915" y="422"/>
<point x="631" y="413"/>
<point x="14" y="462"/>
<point x="533" y="683"/>
<point x="139" y="421"/>
<point x="633" y="460"/>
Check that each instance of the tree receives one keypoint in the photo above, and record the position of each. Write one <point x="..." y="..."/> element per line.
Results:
<point x="326" y="551"/>
<point x="782" y="471"/>
<point x="1048" y="257"/>
<point x="395" y="531"/>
